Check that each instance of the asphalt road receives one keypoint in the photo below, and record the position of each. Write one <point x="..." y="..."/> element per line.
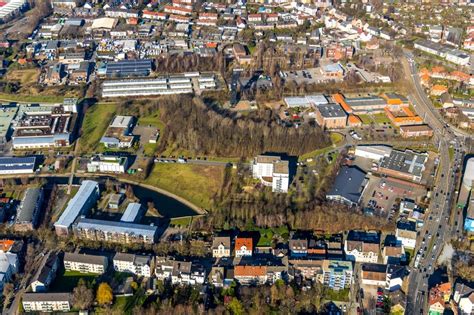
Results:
<point x="437" y="230"/>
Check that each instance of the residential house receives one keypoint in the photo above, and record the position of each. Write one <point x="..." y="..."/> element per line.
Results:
<point x="298" y="245"/>
<point x="9" y="261"/>
<point x="85" y="263"/>
<point x="462" y="289"/>
<point x="180" y="272"/>
<point x="243" y="246"/>
<point x="373" y="274"/>
<point x="362" y="246"/>
<point x="46" y="273"/>
<point x="140" y="265"/>
<point x="436" y="301"/>
<point x="249" y="274"/>
<point x="406" y="233"/>
<point x="466" y="304"/>
<point x="221" y="276"/>
<point x="393" y="253"/>
<point x="221" y="247"/>
<point x="395" y="276"/>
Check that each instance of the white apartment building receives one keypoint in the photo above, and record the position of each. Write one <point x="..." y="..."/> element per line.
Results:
<point x="85" y="263"/>
<point x="46" y="302"/>
<point x="140" y="265"/>
<point x="272" y="171"/>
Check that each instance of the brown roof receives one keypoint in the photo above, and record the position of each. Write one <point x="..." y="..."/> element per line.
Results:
<point x="280" y="167"/>
<point x="224" y="240"/>
<point x="267" y="158"/>
<point x="243" y="241"/>
<point x="415" y="128"/>
<point x="250" y="271"/>
<point x="369" y="247"/>
<point x="393" y="251"/>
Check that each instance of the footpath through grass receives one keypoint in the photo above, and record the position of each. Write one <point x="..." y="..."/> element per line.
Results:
<point x="336" y="138"/>
<point x="95" y="123"/>
<point x="195" y="183"/>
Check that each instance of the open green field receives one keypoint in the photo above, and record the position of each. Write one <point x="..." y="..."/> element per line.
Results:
<point x="95" y="123"/>
<point x="196" y="183"/>
<point x="336" y="138"/>
<point x="31" y="98"/>
<point x="66" y="281"/>
<point x="25" y="76"/>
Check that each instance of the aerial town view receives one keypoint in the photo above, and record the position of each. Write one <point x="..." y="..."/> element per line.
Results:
<point x="237" y="157"/>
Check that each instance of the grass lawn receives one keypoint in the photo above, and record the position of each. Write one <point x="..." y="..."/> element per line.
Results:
<point x="410" y="254"/>
<point x="195" y="183"/>
<point x="183" y="222"/>
<point x="339" y="296"/>
<point x="366" y="119"/>
<point x="31" y="98"/>
<point x="266" y="235"/>
<point x="451" y="153"/>
<point x="149" y="149"/>
<point x="66" y="281"/>
<point x="381" y="118"/>
<point x="336" y="137"/>
<point x="95" y="123"/>
<point x="152" y="120"/>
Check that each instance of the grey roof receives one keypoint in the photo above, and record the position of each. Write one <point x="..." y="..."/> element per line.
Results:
<point x="331" y="110"/>
<point x="406" y="225"/>
<point x="129" y="67"/>
<point x="349" y="183"/>
<point x="363" y="236"/>
<point x="17" y="163"/>
<point x="28" y="205"/>
<point x="117" y="227"/>
<point x="124" y="257"/>
<point x="370" y="267"/>
<point x="132" y="212"/>
<point x="76" y="204"/>
<point x="86" y="259"/>
<point x="405" y="161"/>
<point x="365" y="101"/>
<point x="138" y="260"/>
<point x="46" y="297"/>
<point x="43" y="273"/>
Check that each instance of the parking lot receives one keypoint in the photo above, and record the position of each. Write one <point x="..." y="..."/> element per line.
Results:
<point x="384" y="195"/>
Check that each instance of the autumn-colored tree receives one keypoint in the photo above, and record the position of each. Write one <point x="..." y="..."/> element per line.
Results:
<point x="104" y="294"/>
<point x="82" y="296"/>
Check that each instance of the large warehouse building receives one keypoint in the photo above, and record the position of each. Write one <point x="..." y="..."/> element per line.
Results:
<point x="81" y="203"/>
